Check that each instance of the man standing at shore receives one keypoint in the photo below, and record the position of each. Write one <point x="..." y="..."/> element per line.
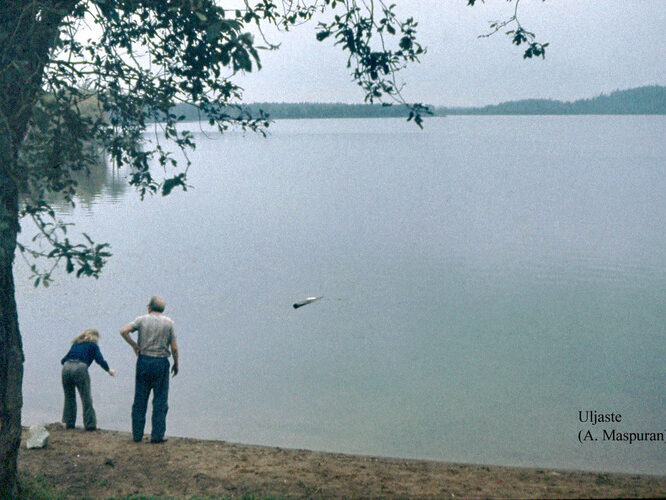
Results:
<point x="156" y="341"/>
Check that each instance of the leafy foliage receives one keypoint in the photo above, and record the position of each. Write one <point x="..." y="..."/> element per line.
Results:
<point x="112" y="67"/>
<point x="518" y="35"/>
<point x="374" y="64"/>
<point x="99" y="72"/>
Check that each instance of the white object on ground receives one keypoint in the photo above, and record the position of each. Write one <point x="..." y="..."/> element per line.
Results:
<point x="38" y="437"/>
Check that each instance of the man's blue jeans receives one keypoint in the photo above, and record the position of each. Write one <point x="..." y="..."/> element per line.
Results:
<point x="151" y="374"/>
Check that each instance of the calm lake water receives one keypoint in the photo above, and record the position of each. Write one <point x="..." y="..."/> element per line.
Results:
<point x="484" y="280"/>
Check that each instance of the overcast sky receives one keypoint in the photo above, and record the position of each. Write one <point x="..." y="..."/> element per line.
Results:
<point x="595" y="46"/>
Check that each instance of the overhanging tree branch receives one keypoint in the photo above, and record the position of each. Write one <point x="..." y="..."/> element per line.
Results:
<point x="519" y="35"/>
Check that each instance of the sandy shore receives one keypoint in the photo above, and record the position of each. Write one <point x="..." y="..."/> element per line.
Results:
<point x="104" y="464"/>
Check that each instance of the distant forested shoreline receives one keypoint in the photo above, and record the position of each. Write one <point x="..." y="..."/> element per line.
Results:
<point x="650" y="100"/>
<point x="638" y="101"/>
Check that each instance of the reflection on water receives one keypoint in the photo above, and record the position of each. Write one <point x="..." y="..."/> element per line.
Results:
<point x="479" y="290"/>
<point x="100" y="183"/>
<point x="103" y="182"/>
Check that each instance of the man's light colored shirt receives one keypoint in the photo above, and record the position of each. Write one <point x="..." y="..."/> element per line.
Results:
<point x="156" y="332"/>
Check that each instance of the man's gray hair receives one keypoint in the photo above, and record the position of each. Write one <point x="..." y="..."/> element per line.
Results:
<point x="157" y="304"/>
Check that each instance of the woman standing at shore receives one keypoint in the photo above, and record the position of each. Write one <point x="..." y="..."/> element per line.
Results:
<point x="75" y="365"/>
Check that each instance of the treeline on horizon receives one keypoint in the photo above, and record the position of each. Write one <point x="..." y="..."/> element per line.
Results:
<point x="277" y="111"/>
<point x="650" y="100"/>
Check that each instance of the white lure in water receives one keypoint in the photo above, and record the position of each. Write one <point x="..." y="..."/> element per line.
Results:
<point x="306" y="302"/>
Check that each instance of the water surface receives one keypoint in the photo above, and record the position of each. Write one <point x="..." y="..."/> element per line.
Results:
<point x="484" y="280"/>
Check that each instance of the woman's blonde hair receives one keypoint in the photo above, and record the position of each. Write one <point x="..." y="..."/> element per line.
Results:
<point x="89" y="335"/>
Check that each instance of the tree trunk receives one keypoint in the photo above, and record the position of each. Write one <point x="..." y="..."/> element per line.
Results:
<point x="11" y="349"/>
<point x="28" y="33"/>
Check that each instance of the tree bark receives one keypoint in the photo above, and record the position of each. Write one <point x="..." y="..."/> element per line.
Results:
<point x="11" y="349"/>
<point x="30" y="31"/>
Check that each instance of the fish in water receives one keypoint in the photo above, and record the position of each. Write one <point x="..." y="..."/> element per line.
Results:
<point x="306" y="302"/>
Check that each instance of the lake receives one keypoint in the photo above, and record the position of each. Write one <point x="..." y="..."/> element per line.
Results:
<point x="484" y="281"/>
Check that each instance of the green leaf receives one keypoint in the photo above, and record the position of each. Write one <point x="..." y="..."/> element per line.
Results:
<point x="213" y="31"/>
<point x="171" y="183"/>
<point x="323" y="35"/>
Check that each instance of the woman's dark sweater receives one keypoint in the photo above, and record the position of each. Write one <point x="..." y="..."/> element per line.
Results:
<point x="86" y="352"/>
